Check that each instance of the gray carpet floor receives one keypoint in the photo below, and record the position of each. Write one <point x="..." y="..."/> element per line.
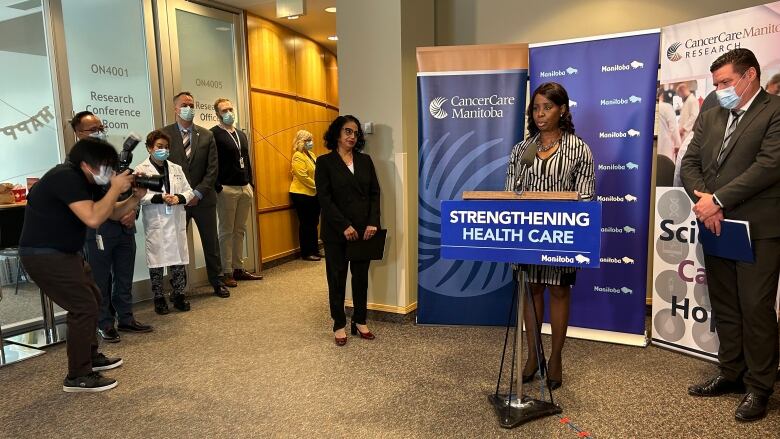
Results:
<point x="263" y="364"/>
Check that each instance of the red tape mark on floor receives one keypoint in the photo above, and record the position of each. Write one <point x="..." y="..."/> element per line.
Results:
<point x="580" y="432"/>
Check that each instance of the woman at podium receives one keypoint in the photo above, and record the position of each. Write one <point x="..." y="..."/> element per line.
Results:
<point x="551" y="158"/>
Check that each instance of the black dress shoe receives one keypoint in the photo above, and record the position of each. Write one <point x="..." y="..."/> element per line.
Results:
<point x="717" y="386"/>
<point x="221" y="291"/>
<point x="752" y="407"/>
<point x="553" y="384"/>
<point x="180" y="302"/>
<point x="239" y="274"/>
<point x="161" y="306"/>
<point x="109" y="335"/>
<point x="134" y="326"/>
<point x="311" y="258"/>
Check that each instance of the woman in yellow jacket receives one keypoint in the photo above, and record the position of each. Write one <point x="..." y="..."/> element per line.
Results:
<point x="303" y="194"/>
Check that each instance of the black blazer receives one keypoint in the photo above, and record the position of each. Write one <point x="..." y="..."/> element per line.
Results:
<point x="346" y="199"/>
<point x="747" y="181"/>
<point x="202" y="166"/>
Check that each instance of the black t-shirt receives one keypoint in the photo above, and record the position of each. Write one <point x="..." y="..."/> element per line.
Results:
<point x="48" y="221"/>
<point x="231" y="148"/>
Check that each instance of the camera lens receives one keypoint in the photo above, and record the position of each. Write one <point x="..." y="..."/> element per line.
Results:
<point x="151" y="182"/>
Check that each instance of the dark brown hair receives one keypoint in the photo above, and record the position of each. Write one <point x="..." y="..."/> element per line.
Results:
<point x="155" y="136"/>
<point x="741" y="59"/>
<point x="334" y="132"/>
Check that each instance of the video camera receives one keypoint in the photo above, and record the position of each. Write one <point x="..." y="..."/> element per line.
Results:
<point x="153" y="182"/>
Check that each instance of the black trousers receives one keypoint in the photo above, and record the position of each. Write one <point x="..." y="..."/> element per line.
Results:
<point x="336" y="265"/>
<point x="308" y="209"/>
<point x="67" y="280"/>
<point x="206" y="219"/>
<point x="743" y="303"/>
<point x="113" y="269"/>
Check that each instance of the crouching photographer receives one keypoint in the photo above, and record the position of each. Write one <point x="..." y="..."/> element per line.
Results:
<point x="60" y="207"/>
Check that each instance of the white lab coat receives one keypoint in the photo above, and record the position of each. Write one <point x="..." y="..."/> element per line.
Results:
<point x="668" y="132"/>
<point x="166" y="233"/>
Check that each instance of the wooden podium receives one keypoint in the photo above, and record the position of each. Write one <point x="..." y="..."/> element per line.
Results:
<point x="514" y="408"/>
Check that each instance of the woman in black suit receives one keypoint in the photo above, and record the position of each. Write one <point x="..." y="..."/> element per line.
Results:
<point x="348" y="192"/>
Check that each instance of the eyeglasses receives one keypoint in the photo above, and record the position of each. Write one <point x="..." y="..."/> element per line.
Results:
<point x="97" y="129"/>
<point x="350" y="132"/>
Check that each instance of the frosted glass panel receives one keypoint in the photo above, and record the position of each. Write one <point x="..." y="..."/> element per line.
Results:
<point x="28" y="130"/>
<point x="109" y="76"/>
<point x="207" y="63"/>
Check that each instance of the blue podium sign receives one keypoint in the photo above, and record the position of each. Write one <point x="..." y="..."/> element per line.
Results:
<point x="562" y="233"/>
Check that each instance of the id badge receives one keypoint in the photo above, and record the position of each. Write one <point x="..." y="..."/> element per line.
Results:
<point x="168" y="209"/>
<point x="241" y="162"/>
<point x="99" y="242"/>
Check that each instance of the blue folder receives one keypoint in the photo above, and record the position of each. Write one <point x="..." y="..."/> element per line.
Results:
<point x="733" y="242"/>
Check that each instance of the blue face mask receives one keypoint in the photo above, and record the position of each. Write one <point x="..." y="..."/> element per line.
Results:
<point x="187" y="113"/>
<point x="228" y="118"/>
<point x="100" y="135"/>
<point x="104" y="176"/>
<point x="161" y="154"/>
<point x="728" y="97"/>
<point x="309" y="145"/>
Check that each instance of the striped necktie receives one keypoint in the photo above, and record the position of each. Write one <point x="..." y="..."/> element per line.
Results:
<point x="185" y="137"/>
<point x="736" y="114"/>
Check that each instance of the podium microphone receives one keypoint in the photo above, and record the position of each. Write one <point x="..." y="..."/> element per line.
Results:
<point x="527" y="160"/>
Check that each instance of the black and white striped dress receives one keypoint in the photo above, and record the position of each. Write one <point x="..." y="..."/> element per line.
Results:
<point x="570" y="168"/>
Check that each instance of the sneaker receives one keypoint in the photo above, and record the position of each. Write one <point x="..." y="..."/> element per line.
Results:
<point x="109" y="335"/>
<point x="101" y="362"/>
<point x="180" y="302"/>
<point x="92" y="382"/>
<point x="161" y="306"/>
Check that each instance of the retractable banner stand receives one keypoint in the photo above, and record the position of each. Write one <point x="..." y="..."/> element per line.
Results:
<point x="611" y="82"/>
<point x="682" y="318"/>
<point x="471" y="103"/>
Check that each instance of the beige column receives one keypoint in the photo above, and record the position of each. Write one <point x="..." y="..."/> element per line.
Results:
<point x="378" y="83"/>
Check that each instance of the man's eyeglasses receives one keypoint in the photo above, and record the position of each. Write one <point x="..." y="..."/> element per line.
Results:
<point x="98" y="129"/>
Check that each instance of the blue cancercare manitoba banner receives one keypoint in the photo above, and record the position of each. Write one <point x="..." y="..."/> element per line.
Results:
<point x="470" y="116"/>
<point x="611" y="82"/>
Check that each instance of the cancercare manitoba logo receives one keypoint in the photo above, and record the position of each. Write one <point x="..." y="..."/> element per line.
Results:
<point x="436" y="109"/>
<point x="671" y="52"/>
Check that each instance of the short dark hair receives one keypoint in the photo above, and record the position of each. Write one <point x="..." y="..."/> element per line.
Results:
<point x="93" y="152"/>
<point x="334" y="132"/>
<point x="182" y="93"/>
<point x="558" y="96"/>
<point x="155" y="136"/>
<point x="219" y="101"/>
<point x="742" y="59"/>
<point x="76" y="121"/>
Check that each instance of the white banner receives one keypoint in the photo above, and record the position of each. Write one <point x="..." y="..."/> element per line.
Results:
<point x="681" y="306"/>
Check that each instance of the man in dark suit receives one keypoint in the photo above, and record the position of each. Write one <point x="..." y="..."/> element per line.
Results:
<point x="732" y="170"/>
<point x="193" y="148"/>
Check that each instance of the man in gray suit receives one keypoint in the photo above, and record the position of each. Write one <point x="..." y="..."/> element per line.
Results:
<point x="193" y="148"/>
<point x="732" y="170"/>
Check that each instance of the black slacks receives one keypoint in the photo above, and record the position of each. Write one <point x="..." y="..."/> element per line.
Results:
<point x="112" y="269"/>
<point x="308" y="209"/>
<point x="743" y="303"/>
<point x="67" y="280"/>
<point x="206" y="219"/>
<point x="336" y="265"/>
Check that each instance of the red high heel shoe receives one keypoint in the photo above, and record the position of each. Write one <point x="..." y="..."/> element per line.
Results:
<point x="365" y="335"/>
<point x="340" y="341"/>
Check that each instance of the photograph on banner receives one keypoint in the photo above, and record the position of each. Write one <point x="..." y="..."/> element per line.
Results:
<point x="681" y="311"/>
<point x="688" y="49"/>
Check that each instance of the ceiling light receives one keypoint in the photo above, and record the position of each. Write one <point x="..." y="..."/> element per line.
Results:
<point x="333" y="38"/>
<point x="331" y="9"/>
<point x="293" y="17"/>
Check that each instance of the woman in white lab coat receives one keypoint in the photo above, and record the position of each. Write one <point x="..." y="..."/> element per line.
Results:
<point x="165" y="223"/>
